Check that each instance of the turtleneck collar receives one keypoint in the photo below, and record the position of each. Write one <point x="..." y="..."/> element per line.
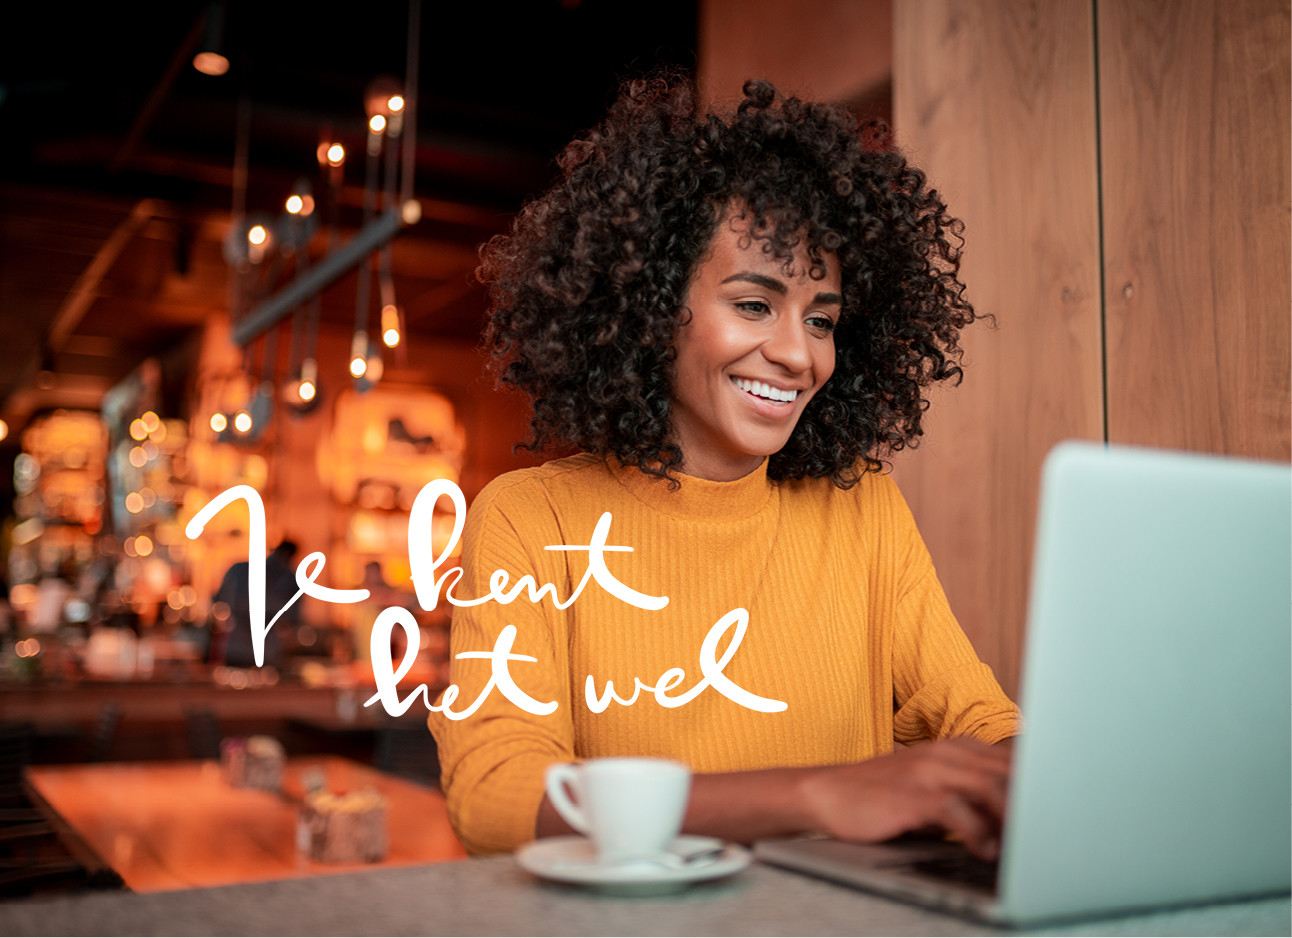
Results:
<point x="698" y="499"/>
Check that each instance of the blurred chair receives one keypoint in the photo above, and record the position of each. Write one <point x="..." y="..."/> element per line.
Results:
<point x="409" y="752"/>
<point x="38" y="854"/>
<point x="202" y="733"/>
<point x="15" y="751"/>
<point x="105" y="732"/>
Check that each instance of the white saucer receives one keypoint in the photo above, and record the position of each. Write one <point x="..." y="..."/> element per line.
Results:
<point x="573" y="859"/>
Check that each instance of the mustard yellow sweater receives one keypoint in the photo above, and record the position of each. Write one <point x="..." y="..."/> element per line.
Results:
<point x="847" y="627"/>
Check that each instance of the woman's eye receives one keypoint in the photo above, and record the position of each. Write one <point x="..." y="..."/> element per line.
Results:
<point x="754" y="307"/>
<point x="822" y="324"/>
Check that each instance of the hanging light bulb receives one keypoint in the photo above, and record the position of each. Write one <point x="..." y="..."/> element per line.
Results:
<point x="308" y="387"/>
<point x="242" y="422"/>
<point x="377" y="123"/>
<point x="359" y="354"/>
<point x="390" y="325"/>
<point x="210" y="60"/>
<point x="219" y="423"/>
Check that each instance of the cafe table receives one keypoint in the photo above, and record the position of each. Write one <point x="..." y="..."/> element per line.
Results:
<point x="494" y="896"/>
<point x="180" y="825"/>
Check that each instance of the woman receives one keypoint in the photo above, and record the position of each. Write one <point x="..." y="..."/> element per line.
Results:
<point x="734" y="319"/>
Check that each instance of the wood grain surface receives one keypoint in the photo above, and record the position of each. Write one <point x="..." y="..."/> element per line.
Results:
<point x="1195" y="137"/>
<point x="996" y="101"/>
<point x="180" y="825"/>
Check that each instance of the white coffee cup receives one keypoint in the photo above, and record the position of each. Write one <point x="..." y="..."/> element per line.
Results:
<point x="629" y="807"/>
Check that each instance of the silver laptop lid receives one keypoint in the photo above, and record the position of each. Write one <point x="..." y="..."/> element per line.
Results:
<point x="1154" y="765"/>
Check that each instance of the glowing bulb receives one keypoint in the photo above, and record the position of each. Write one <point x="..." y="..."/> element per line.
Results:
<point x="359" y="354"/>
<point x="335" y="154"/>
<point x="390" y="325"/>
<point x="143" y="545"/>
<point x="210" y="63"/>
<point x="138" y="458"/>
<point x="137" y="429"/>
<point x="257" y="234"/>
<point x="134" y="503"/>
<point x="150" y="421"/>
<point x="219" y="423"/>
<point x="377" y="123"/>
<point x="294" y="204"/>
<point x="242" y="422"/>
<point x="4" y="430"/>
<point x="307" y="390"/>
<point x="396" y="102"/>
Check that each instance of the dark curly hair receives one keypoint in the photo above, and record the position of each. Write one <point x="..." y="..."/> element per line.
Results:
<point x="587" y="291"/>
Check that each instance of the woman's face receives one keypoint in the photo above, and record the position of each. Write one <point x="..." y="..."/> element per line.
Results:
<point x="757" y="345"/>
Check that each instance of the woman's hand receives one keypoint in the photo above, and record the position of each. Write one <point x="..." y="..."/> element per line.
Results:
<point x="958" y="785"/>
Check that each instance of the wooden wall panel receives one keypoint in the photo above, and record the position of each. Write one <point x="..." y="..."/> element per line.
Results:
<point x="996" y="101"/>
<point x="1195" y="140"/>
<point x="825" y="50"/>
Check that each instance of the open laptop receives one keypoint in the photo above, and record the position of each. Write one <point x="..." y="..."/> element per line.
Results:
<point x="1154" y="768"/>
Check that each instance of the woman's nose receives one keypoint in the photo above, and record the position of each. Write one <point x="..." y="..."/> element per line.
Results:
<point x="787" y="345"/>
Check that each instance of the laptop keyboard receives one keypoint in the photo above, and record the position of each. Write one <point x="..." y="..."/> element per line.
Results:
<point x="965" y="869"/>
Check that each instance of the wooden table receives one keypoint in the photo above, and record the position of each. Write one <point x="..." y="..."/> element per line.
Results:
<point x="179" y="825"/>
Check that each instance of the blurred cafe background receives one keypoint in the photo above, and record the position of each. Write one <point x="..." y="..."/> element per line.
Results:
<point x="237" y="245"/>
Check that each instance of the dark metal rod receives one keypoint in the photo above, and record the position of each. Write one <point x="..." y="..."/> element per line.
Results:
<point x="335" y="265"/>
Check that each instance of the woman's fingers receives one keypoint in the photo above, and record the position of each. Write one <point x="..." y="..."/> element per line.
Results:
<point x="958" y="785"/>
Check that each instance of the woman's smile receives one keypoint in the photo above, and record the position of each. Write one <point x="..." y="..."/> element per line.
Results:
<point x="756" y="342"/>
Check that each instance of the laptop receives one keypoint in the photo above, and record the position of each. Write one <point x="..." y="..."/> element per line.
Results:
<point x="1154" y="768"/>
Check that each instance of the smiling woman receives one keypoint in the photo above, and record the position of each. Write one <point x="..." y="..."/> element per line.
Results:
<point x="755" y="344"/>
<point x="735" y="317"/>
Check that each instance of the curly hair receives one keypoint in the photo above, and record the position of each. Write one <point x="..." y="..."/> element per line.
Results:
<point x="587" y="291"/>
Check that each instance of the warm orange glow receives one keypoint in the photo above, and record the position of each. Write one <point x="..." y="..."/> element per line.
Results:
<point x="137" y="429"/>
<point x="211" y="63"/>
<point x="377" y="123"/>
<point x="138" y="458"/>
<point x="335" y="154"/>
<point x="390" y="325"/>
<point x="143" y="545"/>
<point x="257" y="234"/>
<point x="359" y="354"/>
<point x="4" y="430"/>
<point x="134" y="503"/>
<point x="306" y="391"/>
<point x="294" y="204"/>
<point x="396" y="102"/>
<point x="242" y="421"/>
<point x="148" y="496"/>
<point x="219" y="423"/>
<point x="150" y="421"/>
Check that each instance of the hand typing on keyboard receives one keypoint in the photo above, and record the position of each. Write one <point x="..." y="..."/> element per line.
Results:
<point x="957" y="785"/>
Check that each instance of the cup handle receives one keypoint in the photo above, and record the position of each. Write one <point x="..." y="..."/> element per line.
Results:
<point x="558" y="777"/>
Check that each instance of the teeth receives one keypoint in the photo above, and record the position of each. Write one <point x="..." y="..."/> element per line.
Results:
<point x="763" y="389"/>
